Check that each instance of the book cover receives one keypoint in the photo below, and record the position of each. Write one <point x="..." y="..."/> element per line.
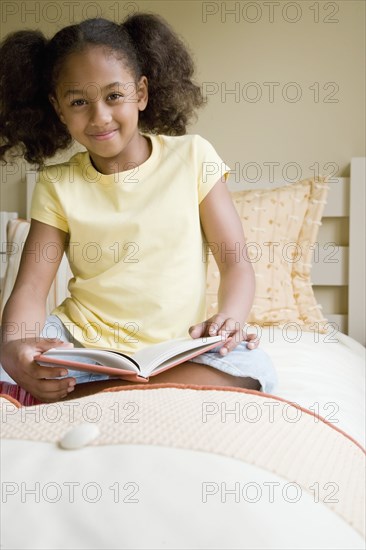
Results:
<point x="138" y="367"/>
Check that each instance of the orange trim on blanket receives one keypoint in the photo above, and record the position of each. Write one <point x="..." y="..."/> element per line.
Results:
<point x="11" y="399"/>
<point x="153" y="386"/>
<point x="231" y="388"/>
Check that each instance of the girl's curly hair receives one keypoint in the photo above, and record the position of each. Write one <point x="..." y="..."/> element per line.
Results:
<point x="30" y="65"/>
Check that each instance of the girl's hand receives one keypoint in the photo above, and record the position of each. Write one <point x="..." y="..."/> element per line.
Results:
<point x="232" y="332"/>
<point x="17" y="359"/>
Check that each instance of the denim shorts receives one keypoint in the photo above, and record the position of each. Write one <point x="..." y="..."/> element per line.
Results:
<point x="254" y="363"/>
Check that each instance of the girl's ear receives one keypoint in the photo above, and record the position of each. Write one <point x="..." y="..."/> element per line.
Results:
<point x="142" y="93"/>
<point x="56" y="106"/>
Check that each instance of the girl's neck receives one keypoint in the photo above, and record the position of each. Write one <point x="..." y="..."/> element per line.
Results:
<point x="135" y="153"/>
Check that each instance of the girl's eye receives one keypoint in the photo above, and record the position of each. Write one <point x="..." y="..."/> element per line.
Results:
<point x="115" y="96"/>
<point x="78" y="103"/>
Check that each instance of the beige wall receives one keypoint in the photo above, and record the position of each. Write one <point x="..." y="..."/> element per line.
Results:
<point x="278" y="51"/>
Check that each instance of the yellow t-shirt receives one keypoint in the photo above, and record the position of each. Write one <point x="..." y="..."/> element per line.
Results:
<point x="136" y="247"/>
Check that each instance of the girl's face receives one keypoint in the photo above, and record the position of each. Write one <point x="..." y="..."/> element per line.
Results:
<point x="99" y="101"/>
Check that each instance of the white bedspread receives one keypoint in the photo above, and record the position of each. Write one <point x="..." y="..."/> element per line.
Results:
<point x="323" y="373"/>
<point x="149" y="497"/>
<point x="262" y="485"/>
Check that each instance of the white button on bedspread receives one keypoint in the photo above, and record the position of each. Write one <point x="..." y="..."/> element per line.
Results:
<point x="79" y="436"/>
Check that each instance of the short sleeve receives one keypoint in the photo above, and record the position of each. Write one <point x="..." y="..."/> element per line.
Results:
<point x="46" y="205"/>
<point x="211" y="167"/>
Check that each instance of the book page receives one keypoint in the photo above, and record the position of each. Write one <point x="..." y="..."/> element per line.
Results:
<point x="108" y="358"/>
<point x="160" y="356"/>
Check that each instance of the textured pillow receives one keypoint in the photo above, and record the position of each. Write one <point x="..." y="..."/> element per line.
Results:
<point x="17" y="231"/>
<point x="281" y="227"/>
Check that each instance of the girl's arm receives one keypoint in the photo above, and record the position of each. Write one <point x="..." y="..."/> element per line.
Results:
<point x="224" y="233"/>
<point x="25" y="314"/>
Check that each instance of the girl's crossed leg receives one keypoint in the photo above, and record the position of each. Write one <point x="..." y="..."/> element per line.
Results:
<point x="241" y="368"/>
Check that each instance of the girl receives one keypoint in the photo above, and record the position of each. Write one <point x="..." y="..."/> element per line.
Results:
<point x="134" y="212"/>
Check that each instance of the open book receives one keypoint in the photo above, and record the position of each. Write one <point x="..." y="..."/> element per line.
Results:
<point x="137" y="367"/>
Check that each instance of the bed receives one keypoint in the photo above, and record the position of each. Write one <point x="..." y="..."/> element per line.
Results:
<point x="202" y="467"/>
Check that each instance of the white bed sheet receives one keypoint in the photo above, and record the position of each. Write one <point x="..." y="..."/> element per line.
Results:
<point x="175" y="505"/>
<point x="321" y="372"/>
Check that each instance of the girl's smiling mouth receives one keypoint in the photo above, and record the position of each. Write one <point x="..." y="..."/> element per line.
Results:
<point x="100" y="136"/>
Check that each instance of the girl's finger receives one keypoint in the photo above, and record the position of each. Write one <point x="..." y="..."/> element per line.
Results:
<point x="210" y="327"/>
<point x="251" y="336"/>
<point x="252" y="340"/>
<point x="37" y="371"/>
<point x="229" y="327"/>
<point x="48" y="391"/>
<point x="35" y="348"/>
<point x="229" y="345"/>
<point x="224" y="349"/>
<point x="44" y="344"/>
<point x="52" y="396"/>
<point x="215" y="324"/>
<point x="197" y="331"/>
<point x="56" y="386"/>
<point x="231" y="332"/>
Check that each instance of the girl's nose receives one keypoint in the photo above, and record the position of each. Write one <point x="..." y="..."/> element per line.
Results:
<point x="100" y="114"/>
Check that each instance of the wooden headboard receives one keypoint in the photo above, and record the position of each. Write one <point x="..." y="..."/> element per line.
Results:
<point x="339" y="275"/>
<point x="357" y="232"/>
